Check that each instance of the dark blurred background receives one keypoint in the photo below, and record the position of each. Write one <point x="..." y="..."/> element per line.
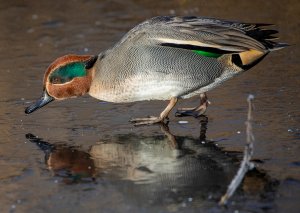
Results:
<point x="34" y="33"/>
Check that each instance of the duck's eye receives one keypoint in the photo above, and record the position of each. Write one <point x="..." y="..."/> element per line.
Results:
<point x="56" y="80"/>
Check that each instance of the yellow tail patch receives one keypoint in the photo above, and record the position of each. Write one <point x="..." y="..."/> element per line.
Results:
<point x="251" y="56"/>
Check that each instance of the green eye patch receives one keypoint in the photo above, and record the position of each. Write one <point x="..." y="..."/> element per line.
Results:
<point x="67" y="72"/>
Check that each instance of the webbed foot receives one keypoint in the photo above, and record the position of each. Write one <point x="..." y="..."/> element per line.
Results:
<point x="154" y="120"/>
<point x="196" y="111"/>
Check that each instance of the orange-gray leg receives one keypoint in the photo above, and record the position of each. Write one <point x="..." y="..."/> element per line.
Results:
<point x="196" y="111"/>
<point x="152" y="119"/>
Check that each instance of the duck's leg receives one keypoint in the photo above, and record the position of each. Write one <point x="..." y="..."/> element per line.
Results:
<point x="152" y="119"/>
<point x="196" y="111"/>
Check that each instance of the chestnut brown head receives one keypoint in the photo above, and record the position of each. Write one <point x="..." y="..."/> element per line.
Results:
<point x="68" y="76"/>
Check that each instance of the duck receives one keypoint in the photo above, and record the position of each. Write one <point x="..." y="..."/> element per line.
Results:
<point x="162" y="58"/>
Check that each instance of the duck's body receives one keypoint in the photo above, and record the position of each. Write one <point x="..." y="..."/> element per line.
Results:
<point x="153" y="73"/>
<point x="166" y="58"/>
<point x="150" y="77"/>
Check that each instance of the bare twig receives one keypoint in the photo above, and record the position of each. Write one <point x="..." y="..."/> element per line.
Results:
<point x="246" y="165"/>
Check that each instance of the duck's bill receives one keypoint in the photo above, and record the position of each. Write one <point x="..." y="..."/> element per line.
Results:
<point x="45" y="99"/>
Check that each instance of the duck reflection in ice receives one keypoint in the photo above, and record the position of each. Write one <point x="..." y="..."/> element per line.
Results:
<point x="158" y="167"/>
<point x="137" y="158"/>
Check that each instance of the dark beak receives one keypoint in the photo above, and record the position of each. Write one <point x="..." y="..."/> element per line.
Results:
<point x="45" y="99"/>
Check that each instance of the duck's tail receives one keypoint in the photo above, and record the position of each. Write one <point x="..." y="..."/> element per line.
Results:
<point x="264" y="36"/>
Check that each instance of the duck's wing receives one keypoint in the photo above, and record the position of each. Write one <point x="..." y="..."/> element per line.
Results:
<point x="208" y="34"/>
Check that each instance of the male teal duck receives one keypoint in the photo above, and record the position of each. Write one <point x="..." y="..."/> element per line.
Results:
<point x="163" y="58"/>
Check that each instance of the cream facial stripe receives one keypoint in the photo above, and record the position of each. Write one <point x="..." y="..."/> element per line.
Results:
<point x="194" y="43"/>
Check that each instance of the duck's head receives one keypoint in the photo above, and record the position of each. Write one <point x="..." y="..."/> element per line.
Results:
<point x="68" y="76"/>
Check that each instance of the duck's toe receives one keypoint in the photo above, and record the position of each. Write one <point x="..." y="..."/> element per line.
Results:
<point x="146" y="121"/>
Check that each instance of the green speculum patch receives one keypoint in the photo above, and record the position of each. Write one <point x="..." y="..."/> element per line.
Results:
<point x="207" y="54"/>
<point x="67" y="72"/>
